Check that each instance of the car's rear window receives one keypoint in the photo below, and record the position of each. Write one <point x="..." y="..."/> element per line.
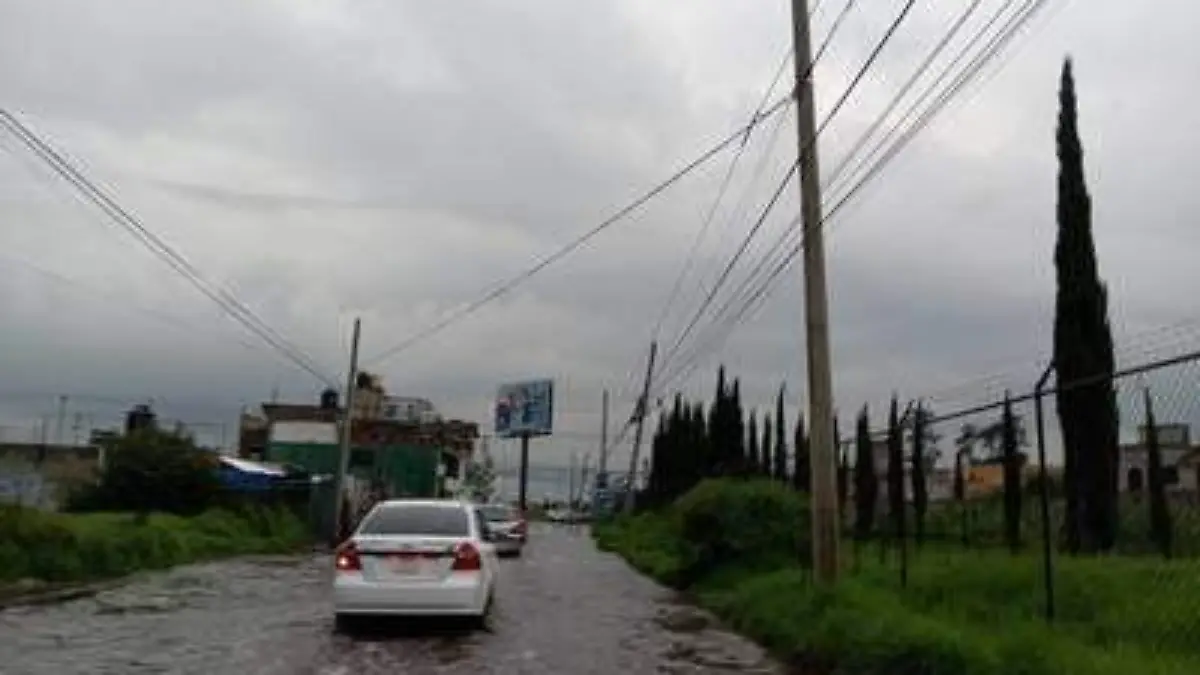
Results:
<point x="496" y="513"/>
<point x="418" y="519"/>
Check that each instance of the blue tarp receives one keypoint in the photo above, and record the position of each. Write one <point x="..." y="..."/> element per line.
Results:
<point x="244" y="475"/>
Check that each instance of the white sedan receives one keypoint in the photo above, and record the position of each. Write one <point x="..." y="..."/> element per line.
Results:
<point x="416" y="558"/>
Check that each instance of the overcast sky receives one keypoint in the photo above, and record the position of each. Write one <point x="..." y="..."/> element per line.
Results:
<point x="394" y="160"/>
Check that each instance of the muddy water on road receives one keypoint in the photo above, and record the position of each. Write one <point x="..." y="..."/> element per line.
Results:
<point x="563" y="608"/>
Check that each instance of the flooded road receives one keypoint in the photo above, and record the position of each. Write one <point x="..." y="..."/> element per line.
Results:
<point x="564" y="607"/>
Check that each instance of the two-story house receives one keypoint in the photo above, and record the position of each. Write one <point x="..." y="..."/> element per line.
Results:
<point x="1180" y="460"/>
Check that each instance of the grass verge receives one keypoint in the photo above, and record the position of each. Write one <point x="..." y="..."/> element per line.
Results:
<point x="40" y="549"/>
<point x="961" y="612"/>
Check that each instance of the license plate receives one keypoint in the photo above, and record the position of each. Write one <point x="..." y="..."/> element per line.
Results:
<point x="405" y="565"/>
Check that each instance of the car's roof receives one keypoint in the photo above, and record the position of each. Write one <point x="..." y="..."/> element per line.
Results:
<point x="444" y="503"/>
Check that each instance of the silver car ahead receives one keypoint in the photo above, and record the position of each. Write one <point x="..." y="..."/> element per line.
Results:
<point x="416" y="558"/>
<point x="509" y="528"/>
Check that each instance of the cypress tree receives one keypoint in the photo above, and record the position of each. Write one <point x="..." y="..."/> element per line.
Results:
<point x="737" y="420"/>
<point x="768" y="456"/>
<point x="866" y="483"/>
<point x="802" y="471"/>
<point x="725" y="441"/>
<point x="658" y="464"/>
<point x="752" y="460"/>
<point x="677" y="451"/>
<point x="1083" y="348"/>
<point x="780" y="455"/>
<point x="920" y="490"/>
<point x="715" y="414"/>
<point x="895" y="472"/>
<point x="1160" y="515"/>
<point x="960" y="491"/>
<point x="843" y="479"/>
<point x="1012" y="477"/>
<point x="701" y="464"/>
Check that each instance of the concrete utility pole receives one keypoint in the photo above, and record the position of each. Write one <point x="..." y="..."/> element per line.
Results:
<point x="583" y="475"/>
<point x="59" y="429"/>
<point x="603" y="465"/>
<point x="643" y="406"/>
<point x="571" y="483"/>
<point x="347" y="428"/>
<point x="816" y="314"/>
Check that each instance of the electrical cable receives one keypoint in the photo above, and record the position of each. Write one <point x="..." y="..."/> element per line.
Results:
<point x="724" y="187"/>
<point x="157" y="246"/>
<point x="829" y="117"/>
<point x="989" y="52"/>
<point x="622" y="213"/>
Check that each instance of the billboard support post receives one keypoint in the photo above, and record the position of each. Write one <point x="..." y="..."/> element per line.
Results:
<point x="525" y="410"/>
<point x="523" y="481"/>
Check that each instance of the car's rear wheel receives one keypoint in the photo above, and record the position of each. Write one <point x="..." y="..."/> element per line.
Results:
<point x="344" y="623"/>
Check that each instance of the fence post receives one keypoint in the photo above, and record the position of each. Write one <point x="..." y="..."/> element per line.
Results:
<point x="1044" y="495"/>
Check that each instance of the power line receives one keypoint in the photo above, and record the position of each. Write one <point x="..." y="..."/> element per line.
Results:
<point x="725" y="272"/>
<point x="1027" y="10"/>
<point x="904" y="89"/>
<point x="986" y="55"/>
<point x="117" y="299"/>
<point x="156" y="245"/>
<point x="829" y="117"/>
<point x="724" y="187"/>
<point x="579" y="241"/>
<point x="920" y="70"/>
<point x="833" y="31"/>
<point x="764" y="288"/>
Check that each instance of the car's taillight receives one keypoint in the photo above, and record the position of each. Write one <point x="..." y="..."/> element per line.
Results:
<point x="346" y="558"/>
<point x="521" y="527"/>
<point x="467" y="558"/>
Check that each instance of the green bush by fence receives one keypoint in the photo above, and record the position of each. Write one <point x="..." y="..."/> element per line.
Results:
<point x="718" y="524"/>
<point x="59" y="547"/>
<point x="962" y="611"/>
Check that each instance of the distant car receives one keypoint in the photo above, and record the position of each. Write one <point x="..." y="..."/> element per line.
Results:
<point x="509" y="527"/>
<point x="412" y="557"/>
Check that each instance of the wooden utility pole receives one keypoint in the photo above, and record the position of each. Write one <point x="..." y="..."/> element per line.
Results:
<point x="347" y="428"/>
<point x="816" y="314"/>
<point x="643" y="406"/>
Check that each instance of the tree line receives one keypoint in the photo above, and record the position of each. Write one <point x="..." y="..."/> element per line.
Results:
<point x="693" y="443"/>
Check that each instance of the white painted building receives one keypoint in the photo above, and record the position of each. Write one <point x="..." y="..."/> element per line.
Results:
<point x="1180" y="460"/>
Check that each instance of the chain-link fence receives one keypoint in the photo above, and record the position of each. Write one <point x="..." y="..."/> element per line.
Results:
<point x="1007" y="519"/>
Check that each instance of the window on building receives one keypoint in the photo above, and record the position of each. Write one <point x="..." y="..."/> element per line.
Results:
<point x="1170" y="475"/>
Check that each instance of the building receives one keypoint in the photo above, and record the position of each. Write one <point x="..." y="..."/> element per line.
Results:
<point x="1180" y="460"/>
<point x="368" y="397"/>
<point x="408" y="409"/>
<point x="40" y="475"/>
<point x="384" y="428"/>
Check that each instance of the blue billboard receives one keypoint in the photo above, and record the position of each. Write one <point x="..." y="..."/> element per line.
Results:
<point x="525" y="409"/>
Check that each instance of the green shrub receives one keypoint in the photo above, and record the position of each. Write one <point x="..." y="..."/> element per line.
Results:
<point x="651" y="543"/>
<point x="755" y="523"/>
<point x="741" y="545"/>
<point x="859" y="628"/>
<point x="152" y="470"/>
<point x="80" y="547"/>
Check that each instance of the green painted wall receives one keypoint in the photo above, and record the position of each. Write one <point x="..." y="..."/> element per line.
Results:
<point x="408" y="470"/>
